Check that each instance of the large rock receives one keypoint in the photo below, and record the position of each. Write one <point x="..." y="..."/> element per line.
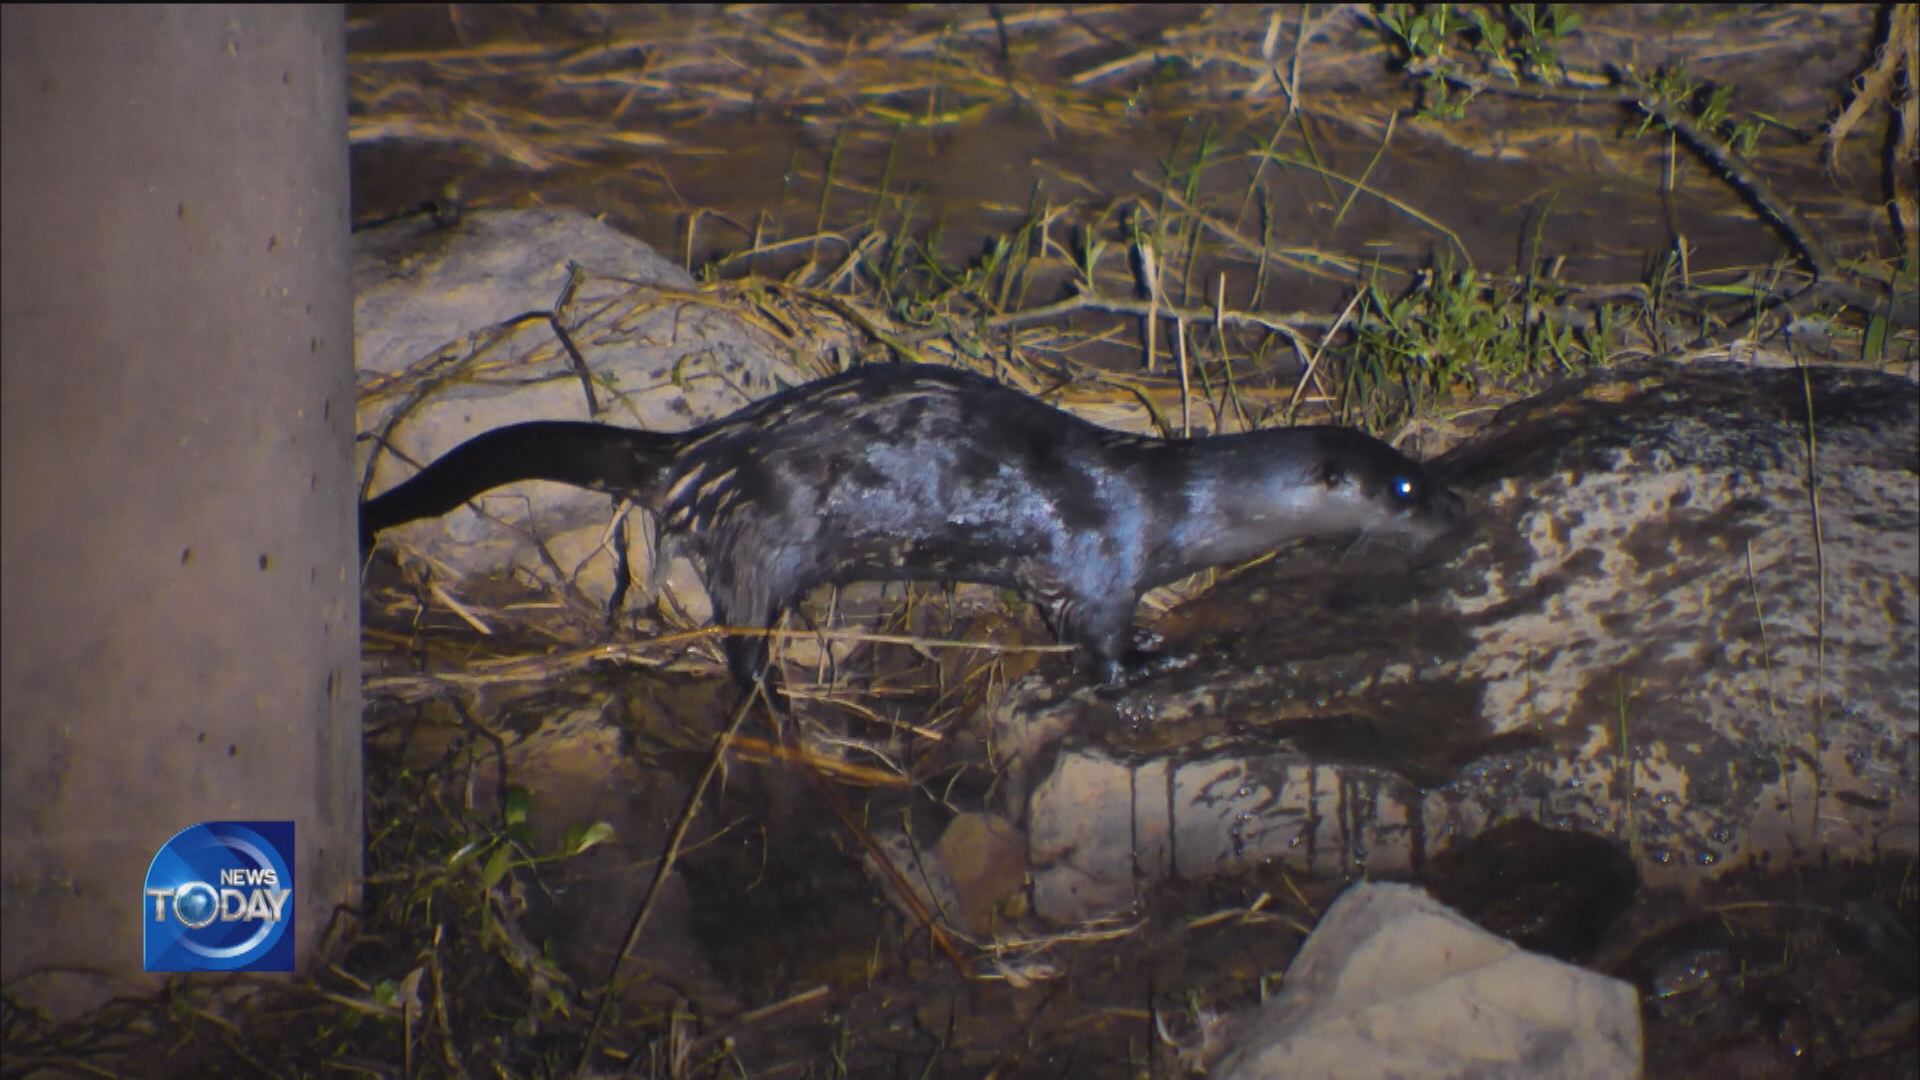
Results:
<point x="1392" y="983"/>
<point x="1647" y="637"/>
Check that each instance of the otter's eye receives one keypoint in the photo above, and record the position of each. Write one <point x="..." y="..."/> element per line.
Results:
<point x="1403" y="488"/>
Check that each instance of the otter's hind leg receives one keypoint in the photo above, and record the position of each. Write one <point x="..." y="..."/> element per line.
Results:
<point x="741" y="602"/>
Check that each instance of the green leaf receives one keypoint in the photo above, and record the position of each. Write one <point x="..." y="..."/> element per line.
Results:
<point x="466" y="853"/>
<point x="579" y="840"/>
<point x="496" y="868"/>
<point x="519" y="803"/>
<point x="1873" y="346"/>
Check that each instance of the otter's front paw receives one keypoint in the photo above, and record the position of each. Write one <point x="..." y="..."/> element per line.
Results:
<point x="1143" y="664"/>
<point x="1138" y="665"/>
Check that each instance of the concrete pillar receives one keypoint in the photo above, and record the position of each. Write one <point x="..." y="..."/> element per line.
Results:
<point x="179" y="638"/>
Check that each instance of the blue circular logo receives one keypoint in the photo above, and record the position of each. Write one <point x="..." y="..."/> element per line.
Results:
<point x="219" y="897"/>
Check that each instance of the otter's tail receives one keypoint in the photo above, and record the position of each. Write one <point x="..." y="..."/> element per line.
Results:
<point x="616" y="460"/>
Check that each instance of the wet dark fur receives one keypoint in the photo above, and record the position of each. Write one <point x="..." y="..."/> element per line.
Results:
<point x="893" y="472"/>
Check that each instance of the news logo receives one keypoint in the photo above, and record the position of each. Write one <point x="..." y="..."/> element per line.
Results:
<point x="219" y="897"/>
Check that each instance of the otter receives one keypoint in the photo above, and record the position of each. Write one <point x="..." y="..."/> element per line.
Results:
<point x="914" y="471"/>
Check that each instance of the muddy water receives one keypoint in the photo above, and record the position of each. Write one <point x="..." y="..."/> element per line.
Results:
<point x="1517" y="185"/>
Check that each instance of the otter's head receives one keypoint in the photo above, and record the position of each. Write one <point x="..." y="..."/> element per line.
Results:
<point x="1365" y="487"/>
